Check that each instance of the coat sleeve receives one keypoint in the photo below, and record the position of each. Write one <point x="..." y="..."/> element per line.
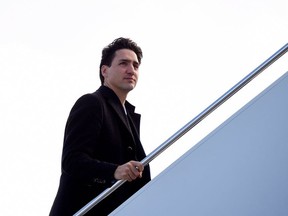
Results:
<point x="82" y="133"/>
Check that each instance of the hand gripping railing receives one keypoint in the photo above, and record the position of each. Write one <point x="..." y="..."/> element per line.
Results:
<point x="188" y="126"/>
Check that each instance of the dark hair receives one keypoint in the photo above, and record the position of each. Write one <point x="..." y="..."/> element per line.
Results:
<point x="108" y="53"/>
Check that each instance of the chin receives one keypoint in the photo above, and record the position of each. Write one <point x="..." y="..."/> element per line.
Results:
<point x="130" y="86"/>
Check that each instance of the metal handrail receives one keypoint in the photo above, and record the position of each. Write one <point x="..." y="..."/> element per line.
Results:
<point x="188" y="126"/>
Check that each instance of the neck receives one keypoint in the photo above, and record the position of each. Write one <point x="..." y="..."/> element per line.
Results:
<point x="120" y="94"/>
<point x="122" y="98"/>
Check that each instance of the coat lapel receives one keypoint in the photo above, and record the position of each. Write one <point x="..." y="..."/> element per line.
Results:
<point x="114" y="102"/>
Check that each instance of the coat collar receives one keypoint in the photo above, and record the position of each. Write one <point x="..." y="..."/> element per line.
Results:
<point x="115" y="103"/>
<point x="112" y="98"/>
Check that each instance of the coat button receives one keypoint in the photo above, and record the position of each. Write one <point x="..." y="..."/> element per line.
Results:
<point x="130" y="148"/>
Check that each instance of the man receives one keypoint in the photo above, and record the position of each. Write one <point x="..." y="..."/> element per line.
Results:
<point x="101" y="141"/>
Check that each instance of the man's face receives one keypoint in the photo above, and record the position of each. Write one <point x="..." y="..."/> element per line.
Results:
<point x="122" y="75"/>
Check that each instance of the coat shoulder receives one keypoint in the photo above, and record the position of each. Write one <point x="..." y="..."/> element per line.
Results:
<point x="88" y="100"/>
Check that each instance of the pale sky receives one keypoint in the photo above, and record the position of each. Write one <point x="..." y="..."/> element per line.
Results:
<point x="194" y="51"/>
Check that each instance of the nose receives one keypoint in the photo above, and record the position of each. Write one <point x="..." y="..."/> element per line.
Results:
<point x="131" y="69"/>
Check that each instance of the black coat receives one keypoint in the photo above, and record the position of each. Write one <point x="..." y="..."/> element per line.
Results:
<point x="97" y="139"/>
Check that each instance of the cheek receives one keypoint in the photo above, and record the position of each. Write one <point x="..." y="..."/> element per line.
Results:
<point x="137" y="75"/>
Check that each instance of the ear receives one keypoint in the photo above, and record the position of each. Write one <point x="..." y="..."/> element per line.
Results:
<point x="104" y="70"/>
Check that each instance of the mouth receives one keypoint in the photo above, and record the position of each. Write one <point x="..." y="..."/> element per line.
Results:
<point x="130" y="79"/>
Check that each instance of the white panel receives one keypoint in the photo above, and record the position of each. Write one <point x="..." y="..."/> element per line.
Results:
<point x="241" y="168"/>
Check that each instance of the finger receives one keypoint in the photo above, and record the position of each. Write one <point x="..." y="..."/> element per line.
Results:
<point x="133" y="170"/>
<point x="131" y="177"/>
<point x="139" y="166"/>
<point x="140" y="172"/>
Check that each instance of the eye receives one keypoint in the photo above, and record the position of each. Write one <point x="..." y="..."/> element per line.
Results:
<point x="136" y="66"/>
<point x="123" y="63"/>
